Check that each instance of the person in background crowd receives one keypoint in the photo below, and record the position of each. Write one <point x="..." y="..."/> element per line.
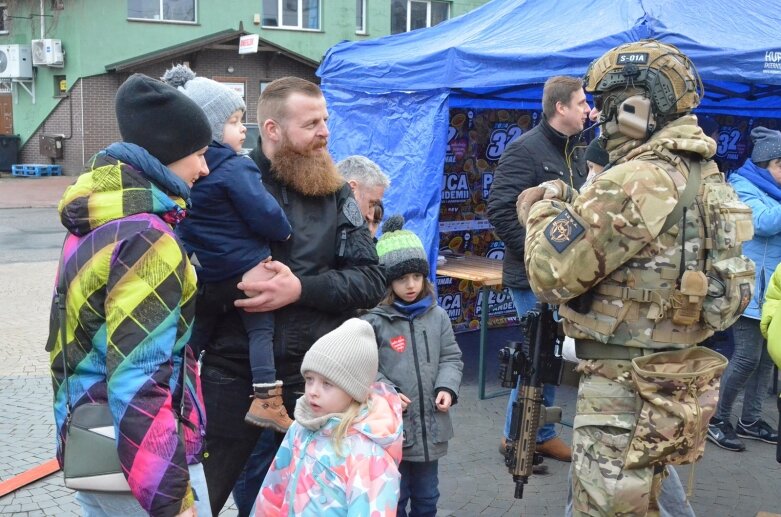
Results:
<point x="325" y="272"/>
<point x="548" y="151"/>
<point x="342" y="454"/>
<point x="758" y="184"/>
<point x="374" y="224"/>
<point x="770" y="324"/>
<point x="228" y="234"/>
<point x="596" y="158"/>
<point x="130" y="293"/>
<point x="369" y="184"/>
<point x="419" y="357"/>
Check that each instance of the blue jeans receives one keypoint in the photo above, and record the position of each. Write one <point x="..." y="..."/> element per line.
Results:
<point x="420" y="487"/>
<point x="749" y="370"/>
<point x="524" y="301"/>
<point x="108" y="504"/>
<point x="246" y="489"/>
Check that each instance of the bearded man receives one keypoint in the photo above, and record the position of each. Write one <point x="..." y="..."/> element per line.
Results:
<point x="325" y="272"/>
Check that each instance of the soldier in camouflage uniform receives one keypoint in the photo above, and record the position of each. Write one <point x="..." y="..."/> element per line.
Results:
<point x="614" y="263"/>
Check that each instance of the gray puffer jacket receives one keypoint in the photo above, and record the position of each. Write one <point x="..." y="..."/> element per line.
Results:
<point x="420" y="357"/>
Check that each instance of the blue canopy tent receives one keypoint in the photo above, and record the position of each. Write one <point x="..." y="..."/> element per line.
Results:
<point x="389" y="98"/>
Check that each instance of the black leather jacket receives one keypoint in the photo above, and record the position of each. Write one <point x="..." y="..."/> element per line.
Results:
<point x="539" y="155"/>
<point x="333" y="255"/>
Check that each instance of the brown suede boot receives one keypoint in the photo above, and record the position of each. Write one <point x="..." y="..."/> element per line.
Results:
<point x="555" y="448"/>
<point x="267" y="409"/>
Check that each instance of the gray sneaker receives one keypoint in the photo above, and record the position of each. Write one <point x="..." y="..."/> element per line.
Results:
<point x="722" y="434"/>
<point x="759" y="430"/>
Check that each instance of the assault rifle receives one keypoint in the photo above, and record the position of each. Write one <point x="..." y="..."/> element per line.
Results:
<point x="536" y="360"/>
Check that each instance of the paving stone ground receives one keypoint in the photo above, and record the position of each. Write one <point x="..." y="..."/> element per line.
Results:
<point x="473" y="480"/>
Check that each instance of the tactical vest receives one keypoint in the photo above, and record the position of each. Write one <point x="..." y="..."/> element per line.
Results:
<point x="691" y="280"/>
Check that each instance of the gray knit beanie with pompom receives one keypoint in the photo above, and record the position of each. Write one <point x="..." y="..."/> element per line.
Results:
<point x="218" y="101"/>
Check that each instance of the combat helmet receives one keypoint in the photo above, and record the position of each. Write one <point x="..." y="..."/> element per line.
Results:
<point x="659" y="72"/>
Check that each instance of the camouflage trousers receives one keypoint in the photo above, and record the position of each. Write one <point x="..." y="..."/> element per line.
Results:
<point x="605" y="419"/>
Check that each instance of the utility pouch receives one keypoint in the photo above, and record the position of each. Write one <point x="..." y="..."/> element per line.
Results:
<point x="730" y="289"/>
<point x="687" y="301"/>
<point x="679" y="390"/>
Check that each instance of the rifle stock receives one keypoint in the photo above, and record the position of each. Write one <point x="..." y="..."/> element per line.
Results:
<point x="535" y="361"/>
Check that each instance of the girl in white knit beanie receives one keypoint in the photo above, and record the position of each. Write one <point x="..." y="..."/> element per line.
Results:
<point x="343" y="450"/>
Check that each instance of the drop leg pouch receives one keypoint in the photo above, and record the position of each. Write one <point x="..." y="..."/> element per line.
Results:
<point x="679" y="391"/>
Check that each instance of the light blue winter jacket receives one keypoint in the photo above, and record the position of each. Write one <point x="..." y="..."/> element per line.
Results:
<point x="765" y="248"/>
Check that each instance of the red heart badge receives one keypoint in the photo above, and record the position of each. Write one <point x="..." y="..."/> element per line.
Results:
<point x="398" y="343"/>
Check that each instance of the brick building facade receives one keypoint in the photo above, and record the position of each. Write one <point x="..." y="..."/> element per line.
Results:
<point x="85" y="118"/>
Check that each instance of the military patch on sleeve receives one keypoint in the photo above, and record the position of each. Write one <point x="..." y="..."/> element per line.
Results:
<point x="563" y="231"/>
<point x="352" y="212"/>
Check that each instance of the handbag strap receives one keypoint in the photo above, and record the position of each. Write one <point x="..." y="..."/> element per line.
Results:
<point x="62" y="309"/>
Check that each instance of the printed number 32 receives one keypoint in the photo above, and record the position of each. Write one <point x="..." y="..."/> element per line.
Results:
<point x="499" y="140"/>
<point x="728" y="142"/>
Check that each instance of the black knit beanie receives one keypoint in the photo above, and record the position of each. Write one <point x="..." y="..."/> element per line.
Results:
<point x="595" y="153"/>
<point x="161" y="119"/>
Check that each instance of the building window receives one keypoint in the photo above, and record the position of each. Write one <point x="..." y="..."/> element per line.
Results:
<point x="162" y="10"/>
<point x="360" y="16"/>
<point x="408" y="15"/>
<point x="3" y="19"/>
<point x="292" y="14"/>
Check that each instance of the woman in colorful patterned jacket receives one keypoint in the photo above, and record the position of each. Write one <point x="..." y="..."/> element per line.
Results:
<point x="130" y="292"/>
<point x="341" y="455"/>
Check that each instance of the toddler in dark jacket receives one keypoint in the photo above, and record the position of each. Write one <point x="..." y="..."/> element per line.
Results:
<point x="227" y="236"/>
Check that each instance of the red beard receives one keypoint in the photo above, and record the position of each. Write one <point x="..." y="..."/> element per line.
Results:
<point x="312" y="173"/>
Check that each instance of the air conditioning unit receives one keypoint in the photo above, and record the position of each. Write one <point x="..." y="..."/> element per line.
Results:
<point x="47" y="52"/>
<point x="15" y="62"/>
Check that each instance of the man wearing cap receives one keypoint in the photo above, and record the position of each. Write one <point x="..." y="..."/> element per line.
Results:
<point x="548" y="151"/>
<point x="758" y="184"/>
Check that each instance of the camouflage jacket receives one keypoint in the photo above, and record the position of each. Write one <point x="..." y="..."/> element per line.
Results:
<point x="608" y="240"/>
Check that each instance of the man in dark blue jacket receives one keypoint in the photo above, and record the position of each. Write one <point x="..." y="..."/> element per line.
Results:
<point x="548" y="151"/>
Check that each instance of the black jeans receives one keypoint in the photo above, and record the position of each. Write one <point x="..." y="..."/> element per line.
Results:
<point x="229" y="440"/>
<point x="215" y="300"/>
